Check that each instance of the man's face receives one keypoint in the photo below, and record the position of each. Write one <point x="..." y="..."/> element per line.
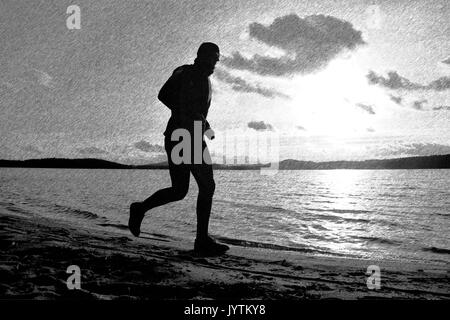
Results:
<point x="210" y="62"/>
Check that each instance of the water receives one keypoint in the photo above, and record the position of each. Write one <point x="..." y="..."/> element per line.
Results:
<point x="375" y="214"/>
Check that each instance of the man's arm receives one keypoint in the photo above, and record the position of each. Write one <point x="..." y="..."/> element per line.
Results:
<point x="207" y="126"/>
<point x="169" y="93"/>
<point x="208" y="131"/>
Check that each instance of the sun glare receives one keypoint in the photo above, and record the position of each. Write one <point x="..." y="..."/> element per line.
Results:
<point x="327" y="102"/>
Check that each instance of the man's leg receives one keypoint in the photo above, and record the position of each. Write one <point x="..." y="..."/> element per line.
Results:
<point x="203" y="174"/>
<point x="179" y="175"/>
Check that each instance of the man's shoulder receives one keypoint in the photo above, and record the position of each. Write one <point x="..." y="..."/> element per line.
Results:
<point x="186" y="68"/>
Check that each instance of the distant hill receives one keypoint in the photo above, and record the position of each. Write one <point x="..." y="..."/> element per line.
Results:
<point x="64" y="163"/>
<point x="427" y="162"/>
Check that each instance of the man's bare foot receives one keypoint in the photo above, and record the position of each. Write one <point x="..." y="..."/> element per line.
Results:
<point x="135" y="220"/>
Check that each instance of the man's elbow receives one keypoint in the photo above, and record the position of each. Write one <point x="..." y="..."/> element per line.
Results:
<point x="164" y="99"/>
<point x="161" y="97"/>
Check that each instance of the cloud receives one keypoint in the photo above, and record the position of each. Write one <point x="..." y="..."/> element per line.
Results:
<point x="366" y="107"/>
<point x="260" y="126"/>
<point x="300" y="128"/>
<point x="396" y="81"/>
<point x="141" y="152"/>
<point x="27" y="79"/>
<point x="90" y="150"/>
<point x="441" y="84"/>
<point x="44" y="78"/>
<point x="148" y="147"/>
<point x="418" y="105"/>
<point x="446" y="61"/>
<point x="393" y="81"/>
<point x="415" y="149"/>
<point x="241" y="85"/>
<point x="396" y="99"/>
<point x="442" y="108"/>
<point x="310" y="43"/>
<point x="370" y="129"/>
<point x="31" y="149"/>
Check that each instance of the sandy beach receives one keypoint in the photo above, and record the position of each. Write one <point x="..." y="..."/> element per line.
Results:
<point x="36" y="253"/>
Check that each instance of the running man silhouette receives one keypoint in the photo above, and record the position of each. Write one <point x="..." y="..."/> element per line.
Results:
<point x="187" y="94"/>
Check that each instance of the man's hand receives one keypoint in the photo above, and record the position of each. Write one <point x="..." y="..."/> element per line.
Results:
<point x="210" y="134"/>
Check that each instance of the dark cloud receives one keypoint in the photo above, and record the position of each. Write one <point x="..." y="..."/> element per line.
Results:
<point x="396" y="81"/>
<point x="418" y="105"/>
<point x="300" y="128"/>
<point x="442" y="108"/>
<point x="366" y="108"/>
<point x="396" y="99"/>
<point x="441" y="84"/>
<point x="239" y="84"/>
<point x="312" y="41"/>
<point x="260" y="126"/>
<point x="148" y="147"/>
<point x="90" y="150"/>
<point x="393" y="81"/>
<point x="446" y="61"/>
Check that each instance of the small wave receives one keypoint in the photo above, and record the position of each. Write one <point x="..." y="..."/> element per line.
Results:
<point x="5" y="204"/>
<point x="437" y="250"/>
<point x="254" y="244"/>
<point x="319" y="227"/>
<point x="114" y="225"/>
<point x="338" y="219"/>
<point x="296" y="194"/>
<point x="76" y="212"/>
<point x="443" y="214"/>
<point x="259" y="208"/>
<point x="350" y="211"/>
<point x="388" y="223"/>
<point x="14" y="209"/>
<point x="322" y="201"/>
<point x="380" y="240"/>
<point x="408" y="188"/>
<point x="310" y="235"/>
<point x="85" y="214"/>
<point x="340" y="210"/>
<point x="357" y="220"/>
<point x="323" y="217"/>
<point x="391" y="195"/>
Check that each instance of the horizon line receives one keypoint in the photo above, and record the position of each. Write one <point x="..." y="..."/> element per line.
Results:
<point x="231" y="164"/>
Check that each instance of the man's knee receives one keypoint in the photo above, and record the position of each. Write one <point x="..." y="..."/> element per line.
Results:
<point x="180" y="192"/>
<point x="208" y="188"/>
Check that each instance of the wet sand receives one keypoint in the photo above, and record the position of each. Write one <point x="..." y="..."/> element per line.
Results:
<point x="36" y="252"/>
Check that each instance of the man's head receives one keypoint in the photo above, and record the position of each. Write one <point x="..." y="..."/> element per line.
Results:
<point x="207" y="56"/>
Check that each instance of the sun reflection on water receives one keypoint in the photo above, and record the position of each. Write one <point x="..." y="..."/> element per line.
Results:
<point x="346" y="214"/>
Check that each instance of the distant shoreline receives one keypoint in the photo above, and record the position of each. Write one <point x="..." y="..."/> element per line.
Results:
<point x="423" y="162"/>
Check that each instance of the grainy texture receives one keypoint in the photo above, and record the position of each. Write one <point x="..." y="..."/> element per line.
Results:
<point x="37" y="252"/>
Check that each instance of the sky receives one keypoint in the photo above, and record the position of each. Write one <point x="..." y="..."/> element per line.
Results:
<point x="332" y="80"/>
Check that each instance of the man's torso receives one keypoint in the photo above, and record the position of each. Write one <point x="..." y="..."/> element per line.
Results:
<point x="194" y="97"/>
